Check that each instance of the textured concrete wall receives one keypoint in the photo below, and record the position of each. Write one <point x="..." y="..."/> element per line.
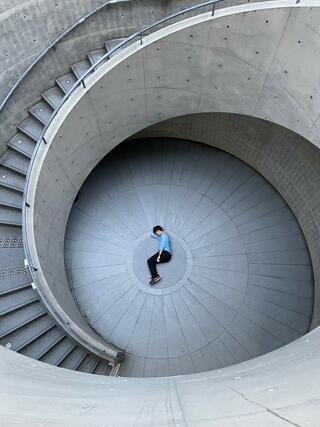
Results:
<point x="196" y="67"/>
<point x="30" y="27"/>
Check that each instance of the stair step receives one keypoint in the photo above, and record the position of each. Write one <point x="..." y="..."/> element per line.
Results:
<point x="15" y="289"/>
<point x="43" y="342"/>
<point x="58" y="351"/>
<point x="80" y="68"/>
<point x="103" y="368"/>
<point x="42" y="111"/>
<point x="15" y="161"/>
<point x="14" y="308"/>
<point x="111" y="44"/>
<point x="88" y="364"/>
<point x="24" y="336"/>
<point x="18" y="298"/>
<point x="12" y="322"/>
<point x="96" y="54"/>
<point x="22" y="322"/>
<point x="11" y="198"/>
<point x="22" y="143"/>
<point x="10" y="216"/>
<point x="73" y="359"/>
<point x="71" y="347"/>
<point x="94" y="366"/>
<point x="31" y="127"/>
<point x="11" y="179"/>
<point x="54" y="97"/>
<point x="66" y="82"/>
<point x="52" y="353"/>
<point x="17" y="276"/>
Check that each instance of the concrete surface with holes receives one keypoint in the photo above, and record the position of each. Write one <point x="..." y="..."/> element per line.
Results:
<point x="80" y="135"/>
<point x="42" y="23"/>
<point x="239" y="283"/>
<point x="279" y="388"/>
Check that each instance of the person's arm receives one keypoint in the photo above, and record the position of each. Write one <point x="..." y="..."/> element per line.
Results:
<point x="154" y="236"/>
<point x="160" y="252"/>
<point x="163" y="239"/>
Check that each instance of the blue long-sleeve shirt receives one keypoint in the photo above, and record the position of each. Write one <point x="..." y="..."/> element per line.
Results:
<point x="164" y="241"/>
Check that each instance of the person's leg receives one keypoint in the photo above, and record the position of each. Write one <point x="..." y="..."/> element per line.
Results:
<point x="152" y="264"/>
<point x="165" y="256"/>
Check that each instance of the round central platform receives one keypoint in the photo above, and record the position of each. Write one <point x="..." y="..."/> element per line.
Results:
<point x="239" y="283"/>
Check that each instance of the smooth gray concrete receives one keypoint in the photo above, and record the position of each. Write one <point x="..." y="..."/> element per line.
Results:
<point x="280" y="389"/>
<point x="239" y="283"/>
<point x="124" y="95"/>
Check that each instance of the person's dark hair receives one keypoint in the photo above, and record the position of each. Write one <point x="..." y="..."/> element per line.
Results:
<point x="157" y="228"/>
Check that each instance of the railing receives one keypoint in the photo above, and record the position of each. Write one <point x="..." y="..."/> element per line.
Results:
<point x="133" y="38"/>
<point x="68" y="31"/>
<point x="51" y="46"/>
<point x="138" y="36"/>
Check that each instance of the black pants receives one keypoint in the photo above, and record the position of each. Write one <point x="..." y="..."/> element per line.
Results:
<point x="152" y="262"/>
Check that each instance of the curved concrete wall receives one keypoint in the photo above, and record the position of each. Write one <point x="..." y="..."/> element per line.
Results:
<point x="286" y="159"/>
<point x="181" y="74"/>
<point x="280" y="389"/>
<point x="41" y="23"/>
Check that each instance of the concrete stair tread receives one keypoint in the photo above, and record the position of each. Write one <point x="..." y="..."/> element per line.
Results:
<point x="103" y="368"/>
<point x="54" y="97"/>
<point x="11" y="179"/>
<point x="42" y="111"/>
<point x="16" y="161"/>
<point x="81" y="67"/>
<point x="11" y="198"/>
<point x="10" y="216"/>
<point x="15" y="289"/>
<point x="45" y="342"/>
<point x="57" y="350"/>
<point x="74" y="358"/>
<point x="17" y="298"/>
<point x="21" y="337"/>
<point x="95" y="55"/>
<point x="66" y="82"/>
<point x="21" y="318"/>
<point x="111" y="44"/>
<point x="88" y="364"/>
<point x="24" y="337"/>
<point x="22" y="143"/>
<point x="32" y="128"/>
<point x="71" y="346"/>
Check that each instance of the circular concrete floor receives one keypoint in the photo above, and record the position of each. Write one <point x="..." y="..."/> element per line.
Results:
<point x="239" y="283"/>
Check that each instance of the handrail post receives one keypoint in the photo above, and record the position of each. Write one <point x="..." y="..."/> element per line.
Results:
<point x="141" y="38"/>
<point x="213" y="8"/>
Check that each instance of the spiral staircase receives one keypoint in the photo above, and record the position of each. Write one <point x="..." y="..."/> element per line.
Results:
<point x="223" y="217"/>
<point x="26" y="326"/>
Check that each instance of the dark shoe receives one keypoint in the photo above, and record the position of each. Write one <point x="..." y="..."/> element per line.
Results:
<point x="154" y="280"/>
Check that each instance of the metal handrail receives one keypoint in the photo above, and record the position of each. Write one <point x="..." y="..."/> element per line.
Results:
<point x="81" y="81"/>
<point x="48" y="48"/>
<point x="138" y="35"/>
